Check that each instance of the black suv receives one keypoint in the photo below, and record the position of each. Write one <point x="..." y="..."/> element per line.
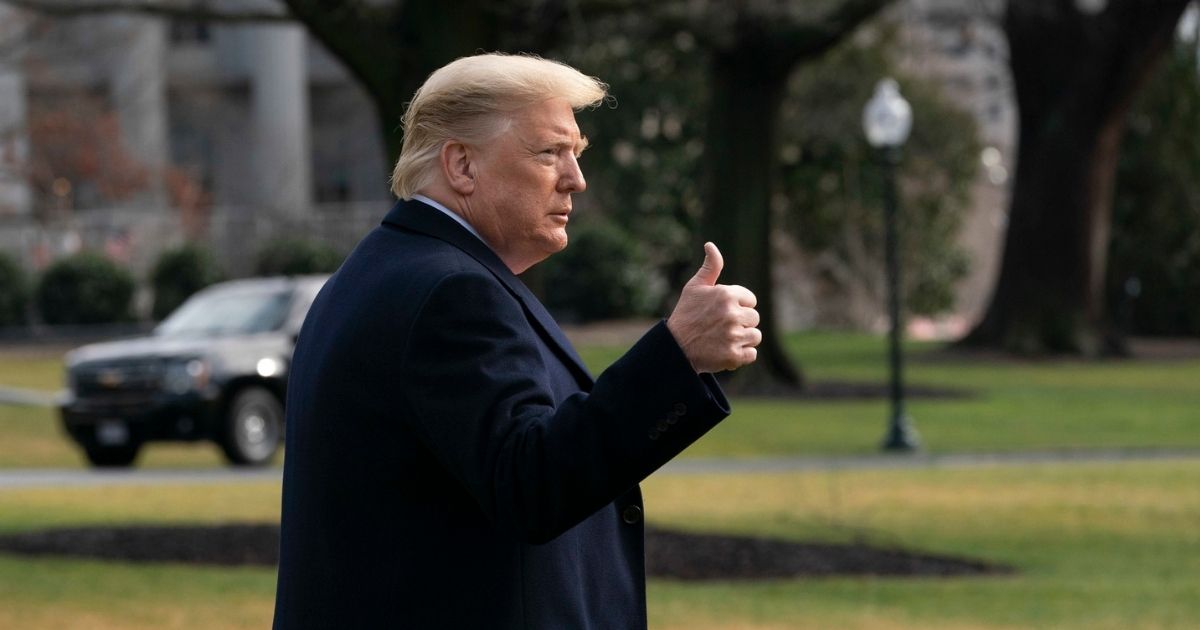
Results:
<point x="215" y="369"/>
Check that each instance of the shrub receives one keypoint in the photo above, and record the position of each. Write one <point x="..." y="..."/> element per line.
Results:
<point x="297" y="256"/>
<point x="86" y="288"/>
<point x="1154" y="254"/>
<point x="832" y="197"/>
<point x="600" y="275"/>
<point x="829" y="199"/>
<point x="180" y="272"/>
<point x="14" y="292"/>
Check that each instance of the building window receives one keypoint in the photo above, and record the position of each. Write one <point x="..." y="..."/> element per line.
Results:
<point x="334" y="189"/>
<point x="195" y="32"/>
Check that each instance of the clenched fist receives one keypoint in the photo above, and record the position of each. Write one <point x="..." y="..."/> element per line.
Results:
<point x="715" y="324"/>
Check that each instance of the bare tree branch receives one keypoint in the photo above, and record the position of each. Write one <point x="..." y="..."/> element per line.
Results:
<point x="814" y="38"/>
<point x="790" y="29"/>
<point x="357" y="34"/>
<point x="195" y="10"/>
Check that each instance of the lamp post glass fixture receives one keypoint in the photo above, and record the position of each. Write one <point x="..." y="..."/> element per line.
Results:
<point x="887" y="119"/>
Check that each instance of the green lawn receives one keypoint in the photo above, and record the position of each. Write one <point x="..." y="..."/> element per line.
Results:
<point x="31" y="371"/>
<point x="1096" y="547"/>
<point x="30" y="437"/>
<point x="1014" y="405"/>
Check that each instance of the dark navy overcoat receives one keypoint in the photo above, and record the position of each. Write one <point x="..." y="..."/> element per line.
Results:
<point x="450" y="462"/>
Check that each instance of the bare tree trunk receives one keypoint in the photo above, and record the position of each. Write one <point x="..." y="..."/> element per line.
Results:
<point x="1075" y="76"/>
<point x="392" y="48"/>
<point x="749" y="69"/>
<point x="746" y="91"/>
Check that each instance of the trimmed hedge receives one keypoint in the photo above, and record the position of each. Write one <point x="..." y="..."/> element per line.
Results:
<point x="297" y="257"/>
<point x="180" y="272"/>
<point x="14" y="292"/>
<point x="600" y="275"/>
<point x="85" y="288"/>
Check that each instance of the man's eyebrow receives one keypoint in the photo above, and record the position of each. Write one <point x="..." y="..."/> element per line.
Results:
<point x="578" y="146"/>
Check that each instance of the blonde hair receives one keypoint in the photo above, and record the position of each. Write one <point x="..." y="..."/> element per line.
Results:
<point x="468" y="100"/>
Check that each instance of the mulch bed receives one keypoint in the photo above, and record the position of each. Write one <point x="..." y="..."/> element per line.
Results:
<point x="688" y="556"/>
<point x="670" y="554"/>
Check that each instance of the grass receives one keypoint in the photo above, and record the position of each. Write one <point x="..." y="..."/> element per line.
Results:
<point x="28" y="508"/>
<point x="28" y="371"/>
<point x="1096" y="546"/>
<point x="66" y="593"/>
<point x="1014" y="406"/>
<point x="53" y="594"/>
<point x="30" y="437"/>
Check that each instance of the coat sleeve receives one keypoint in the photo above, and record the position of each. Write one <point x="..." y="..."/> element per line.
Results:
<point x="480" y="397"/>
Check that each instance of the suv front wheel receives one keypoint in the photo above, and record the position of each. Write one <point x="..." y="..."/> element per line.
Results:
<point x="253" y="427"/>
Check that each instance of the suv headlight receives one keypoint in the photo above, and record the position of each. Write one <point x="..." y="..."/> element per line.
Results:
<point x="182" y="377"/>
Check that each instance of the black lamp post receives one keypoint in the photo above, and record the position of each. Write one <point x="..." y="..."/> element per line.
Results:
<point x="887" y="119"/>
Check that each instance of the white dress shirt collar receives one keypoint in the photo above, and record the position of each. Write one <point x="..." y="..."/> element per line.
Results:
<point x="452" y="214"/>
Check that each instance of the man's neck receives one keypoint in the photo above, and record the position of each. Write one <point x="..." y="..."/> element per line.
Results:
<point x="433" y="198"/>
<point x="429" y="201"/>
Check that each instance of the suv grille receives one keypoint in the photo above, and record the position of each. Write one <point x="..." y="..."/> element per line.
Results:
<point x="121" y="381"/>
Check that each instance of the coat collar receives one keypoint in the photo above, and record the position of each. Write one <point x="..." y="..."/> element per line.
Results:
<point x="418" y="216"/>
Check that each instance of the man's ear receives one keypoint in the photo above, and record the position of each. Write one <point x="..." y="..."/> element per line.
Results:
<point x="458" y="167"/>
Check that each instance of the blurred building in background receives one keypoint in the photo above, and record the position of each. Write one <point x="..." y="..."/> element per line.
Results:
<point x="962" y="46"/>
<point x="130" y="133"/>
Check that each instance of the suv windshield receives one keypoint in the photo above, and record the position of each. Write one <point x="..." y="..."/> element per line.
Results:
<point x="239" y="311"/>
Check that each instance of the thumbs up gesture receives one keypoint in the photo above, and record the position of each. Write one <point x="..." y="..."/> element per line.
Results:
<point x="715" y="324"/>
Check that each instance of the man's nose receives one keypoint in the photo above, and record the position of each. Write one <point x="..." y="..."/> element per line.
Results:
<point x="572" y="180"/>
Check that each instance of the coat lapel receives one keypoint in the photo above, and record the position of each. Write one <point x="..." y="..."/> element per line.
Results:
<point x="420" y="217"/>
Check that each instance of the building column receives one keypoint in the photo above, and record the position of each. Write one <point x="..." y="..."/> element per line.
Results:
<point x="282" y="164"/>
<point x="138" y="89"/>
<point x="16" y="198"/>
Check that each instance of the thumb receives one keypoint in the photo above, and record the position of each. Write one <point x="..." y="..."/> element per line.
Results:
<point x="711" y="268"/>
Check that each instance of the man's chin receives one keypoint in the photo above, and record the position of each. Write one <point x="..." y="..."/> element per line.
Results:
<point x="559" y="241"/>
<point x="552" y="247"/>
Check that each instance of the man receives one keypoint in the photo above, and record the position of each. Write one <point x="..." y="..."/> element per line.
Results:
<point x="450" y="461"/>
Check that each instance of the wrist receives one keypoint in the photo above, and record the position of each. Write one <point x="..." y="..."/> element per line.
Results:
<point x="677" y="336"/>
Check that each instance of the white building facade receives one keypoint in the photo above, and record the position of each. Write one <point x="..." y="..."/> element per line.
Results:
<point x="225" y="133"/>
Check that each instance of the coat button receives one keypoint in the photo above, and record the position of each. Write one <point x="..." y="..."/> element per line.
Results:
<point x="653" y="434"/>
<point x="680" y="409"/>
<point x="662" y="425"/>
<point x="631" y="514"/>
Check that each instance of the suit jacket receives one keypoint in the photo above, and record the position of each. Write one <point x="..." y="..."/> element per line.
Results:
<point x="450" y="462"/>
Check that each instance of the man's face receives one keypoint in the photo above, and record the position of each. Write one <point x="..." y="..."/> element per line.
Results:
<point x="523" y="184"/>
